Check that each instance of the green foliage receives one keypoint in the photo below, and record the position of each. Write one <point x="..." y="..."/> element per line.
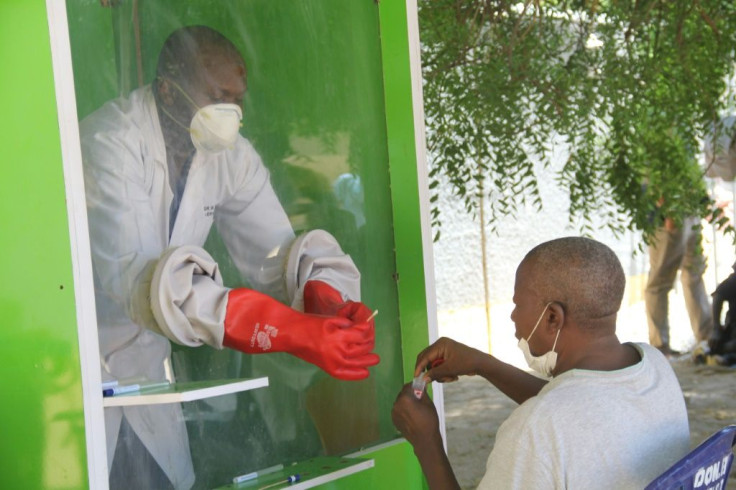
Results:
<point x="627" y="88"/>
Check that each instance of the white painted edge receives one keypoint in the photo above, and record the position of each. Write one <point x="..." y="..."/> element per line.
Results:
<point x="378" y="447"/>
<point x="71" y="152"/>
<point x="335" y="475"/>
<point x="415" y="65"/>
<point x="131" y="399"/>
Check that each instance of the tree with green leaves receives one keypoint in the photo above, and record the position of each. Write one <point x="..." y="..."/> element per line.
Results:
<point x="629" y="87"/>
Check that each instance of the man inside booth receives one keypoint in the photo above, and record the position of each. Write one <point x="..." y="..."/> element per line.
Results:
<point x="161" y="167"/>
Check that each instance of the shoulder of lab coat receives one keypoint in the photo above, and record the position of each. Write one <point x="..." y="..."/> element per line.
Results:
<point x="130" y="123"/>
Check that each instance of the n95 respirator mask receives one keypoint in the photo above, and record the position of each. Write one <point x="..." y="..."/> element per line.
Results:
<point x="215" y="127"/>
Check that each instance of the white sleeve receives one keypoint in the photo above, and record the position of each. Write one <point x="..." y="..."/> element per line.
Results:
<point x="118" y="171"/>
<point x="188" y="299"/>
<point x="253" y="224"/>
<point x="316" y="255"/>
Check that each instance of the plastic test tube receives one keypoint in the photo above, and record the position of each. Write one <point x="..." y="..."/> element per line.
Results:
<point x="418" y="385"/>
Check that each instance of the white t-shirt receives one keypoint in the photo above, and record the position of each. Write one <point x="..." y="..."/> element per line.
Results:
<point x="594" y="429"/>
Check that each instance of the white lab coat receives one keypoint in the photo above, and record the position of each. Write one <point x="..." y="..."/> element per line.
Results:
<point x="128" y="199"/>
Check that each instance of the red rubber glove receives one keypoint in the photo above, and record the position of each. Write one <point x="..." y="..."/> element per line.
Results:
<point x="256" y="323"/>
<point x="322" y="299"/>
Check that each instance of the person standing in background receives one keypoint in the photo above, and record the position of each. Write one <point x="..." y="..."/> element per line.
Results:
<point x="676" y="248"/>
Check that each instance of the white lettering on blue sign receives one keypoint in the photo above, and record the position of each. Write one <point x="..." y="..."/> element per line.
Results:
<point x="712" y="474"/>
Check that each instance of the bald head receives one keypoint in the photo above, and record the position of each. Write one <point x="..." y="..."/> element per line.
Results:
<point x="582" y="274"/>
<point x="187" y="50"/>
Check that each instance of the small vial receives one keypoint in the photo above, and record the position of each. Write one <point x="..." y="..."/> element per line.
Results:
<point x="418" y="385"/>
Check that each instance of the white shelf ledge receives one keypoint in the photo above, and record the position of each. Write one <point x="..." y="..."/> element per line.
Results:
<point x="359" y="465"/>
<point x="184" y="392"/>
<point x="313" y="472"/>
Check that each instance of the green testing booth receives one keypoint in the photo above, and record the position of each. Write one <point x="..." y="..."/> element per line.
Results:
<point x="331" y="116"/>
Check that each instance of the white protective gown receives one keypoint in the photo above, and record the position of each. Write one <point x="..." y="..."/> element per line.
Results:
<point x="128" y="201"/>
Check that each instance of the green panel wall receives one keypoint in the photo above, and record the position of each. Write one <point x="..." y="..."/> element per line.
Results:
<point x="395" y="468"/>
<point x="405" y="188"/>
<point x="42" y="427"/>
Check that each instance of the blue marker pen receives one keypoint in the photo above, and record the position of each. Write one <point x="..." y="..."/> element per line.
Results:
<point x="125" y="381"/>
<point x="119" y="390"/>
<point x="291" y="479"/>
<point x="109" y="384"/>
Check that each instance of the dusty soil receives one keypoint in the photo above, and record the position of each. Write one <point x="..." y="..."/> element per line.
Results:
<point x="474" y="409"/>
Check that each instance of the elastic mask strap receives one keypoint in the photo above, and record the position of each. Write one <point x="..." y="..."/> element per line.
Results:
<point x="186" y="95"/>
<point x="183" y="92"/>
<point x="556" y="337"/>
<point x="185" y="128"/>
<point x="539" y="321"/>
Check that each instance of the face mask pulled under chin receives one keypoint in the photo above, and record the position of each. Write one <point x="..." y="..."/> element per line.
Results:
<point x="545" y="363"/>
<point x="215" y="127"/>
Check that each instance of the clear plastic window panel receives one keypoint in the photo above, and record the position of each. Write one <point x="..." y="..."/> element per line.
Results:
<point x="310" y="154"/>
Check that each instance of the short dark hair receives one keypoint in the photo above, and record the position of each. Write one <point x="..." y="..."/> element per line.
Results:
<point x="180" y="55"/>
<point x="583" y="274"/>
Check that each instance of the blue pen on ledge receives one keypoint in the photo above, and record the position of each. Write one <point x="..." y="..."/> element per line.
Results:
<point x="291" y="479"/>
<point x="119" y="390"/>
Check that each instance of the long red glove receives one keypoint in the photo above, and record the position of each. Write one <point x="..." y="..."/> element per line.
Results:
<point x="322" y="299"/>
<point x="256" y="323"/>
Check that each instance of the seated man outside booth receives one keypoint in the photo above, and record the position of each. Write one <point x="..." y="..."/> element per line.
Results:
<point x="606" y="414"/>
<point x="161" y="167"/>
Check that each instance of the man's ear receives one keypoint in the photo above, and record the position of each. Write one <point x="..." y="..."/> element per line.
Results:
<point x="555" y="317"/>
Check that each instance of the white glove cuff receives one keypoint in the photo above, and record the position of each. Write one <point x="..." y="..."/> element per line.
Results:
<point x="316" y="255"/>
<point x="188" y="298"/>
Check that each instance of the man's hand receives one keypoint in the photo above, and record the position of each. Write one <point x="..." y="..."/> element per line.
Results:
<point x="418" y="422"/>
<point x="456" y="360"/>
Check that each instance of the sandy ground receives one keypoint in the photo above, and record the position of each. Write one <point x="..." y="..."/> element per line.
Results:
<point x="474" y="409"/>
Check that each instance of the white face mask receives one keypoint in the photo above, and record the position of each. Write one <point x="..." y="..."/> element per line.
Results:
<point x="215" y="127"/>
<point x="545" y="363"/>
